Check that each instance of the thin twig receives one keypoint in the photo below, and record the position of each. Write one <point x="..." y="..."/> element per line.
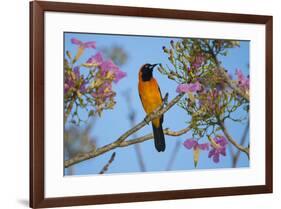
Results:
<point x="140" y="158"/>
<point x="233" y="85"/>
<point x="105" y="168"/>
<point x="225" y="75"/>
<point x="132" y="119"/>
<point x="69" y="108"/>
<point x="96" y="152"/>
<point x="150" y="136"/>
<point x="242" y="141"/>
<point x="173" y="156"/>
<point x="232" y="141"/>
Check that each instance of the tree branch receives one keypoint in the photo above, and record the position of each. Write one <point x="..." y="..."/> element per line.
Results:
<point x="106" y="166"/>
<point x="94" y="153"/>
<point x="233" y="85"/>
<point x="150" y="136"/>
<point x="225" y="75"/>
<point x="229" y="137"/>
<point x="69" y="108"/>
<point x="242" y="141"/>
<point x="132" y="119"/>
<point x="174" y="155"/>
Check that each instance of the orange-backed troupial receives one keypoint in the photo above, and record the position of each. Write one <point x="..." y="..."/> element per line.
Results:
<point x="151" y="98"/>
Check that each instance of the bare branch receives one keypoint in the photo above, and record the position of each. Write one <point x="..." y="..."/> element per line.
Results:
<point x="132" y="119"/>
<point x="94" y="153"/>
<point x="140" y="157"/>
<point x="229" y="137"/>
<point x="150" y="136"/>
<point x="105" y="168"/>
<point x="174" y="155"/>
<point x="242" y="141"/>
<point x="225" y="75"/>
<point x="233" y="85"/>
<point x="69" y="108"/>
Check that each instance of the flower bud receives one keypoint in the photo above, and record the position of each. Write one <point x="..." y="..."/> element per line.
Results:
<point x="172" y="44"/>
<point x="165" y="49"/>
<point x="69" y="54"/>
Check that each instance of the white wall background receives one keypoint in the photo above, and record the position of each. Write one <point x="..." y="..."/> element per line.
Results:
<point x="14" y="103"/>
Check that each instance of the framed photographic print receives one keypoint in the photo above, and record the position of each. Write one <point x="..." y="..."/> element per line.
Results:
<point x="141" y="104"/>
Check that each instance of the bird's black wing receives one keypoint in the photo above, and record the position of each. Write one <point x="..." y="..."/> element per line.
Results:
<point x="162" y="116"/>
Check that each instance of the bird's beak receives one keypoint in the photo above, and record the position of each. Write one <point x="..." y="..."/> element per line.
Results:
<point x="155" y="65"/>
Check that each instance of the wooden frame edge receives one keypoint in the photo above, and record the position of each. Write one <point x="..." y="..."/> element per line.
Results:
<point x="269" y="103"/>
<point x="36" y="105"/>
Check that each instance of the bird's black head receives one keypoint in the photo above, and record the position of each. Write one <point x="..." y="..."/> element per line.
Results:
<point x="146" y="71"/>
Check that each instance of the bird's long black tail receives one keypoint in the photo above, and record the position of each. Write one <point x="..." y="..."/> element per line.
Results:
<point x="159" y="139"/>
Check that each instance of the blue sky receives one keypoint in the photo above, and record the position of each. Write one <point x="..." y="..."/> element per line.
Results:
<point x="112" y="124"/>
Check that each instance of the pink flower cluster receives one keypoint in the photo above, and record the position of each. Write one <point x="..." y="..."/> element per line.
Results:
<point x="89" y="44"/>
<point x="189" y="87"/>
<point x="193" y="144"/>
<point x="96" y="81"/>
<point x="107" y="72"/>
<point x="243" y="81"/>
<point x="219" y="149"/>
<point x="209" y="99"/>
<point x="106" y="66"/>
<point x="216" y="150"/>
<point x="74" y="82"/>
<point x="198" y="61"/>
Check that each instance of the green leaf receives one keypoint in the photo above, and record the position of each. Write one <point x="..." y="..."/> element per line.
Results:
<point x="69" y="55"/>
<point x="218" y="129"/>
<point x="91" y="113"/>
<point x="224" y="53"/>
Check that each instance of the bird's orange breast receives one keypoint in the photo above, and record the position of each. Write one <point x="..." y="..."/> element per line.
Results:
<point x="150" y="96"/>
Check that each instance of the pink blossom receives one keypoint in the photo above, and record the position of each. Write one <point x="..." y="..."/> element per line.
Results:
<point x="74" y="81"/>
<point x="104" y="92"/>
<point x="68" y="83"/>
<point x="216" y="151"/>
<point x="198" y="61"/>
<point x="193" y="144"/>
<point x="76" y="71"/>
<point x="95" y="59"/>
<point x="243" y="82"/>
<point x="188" y="88"/>
<point x="109" y="66"/>
<point x="89" y="44"/>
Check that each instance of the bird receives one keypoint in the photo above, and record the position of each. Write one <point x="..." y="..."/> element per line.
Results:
<point x="151" y="98"/>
